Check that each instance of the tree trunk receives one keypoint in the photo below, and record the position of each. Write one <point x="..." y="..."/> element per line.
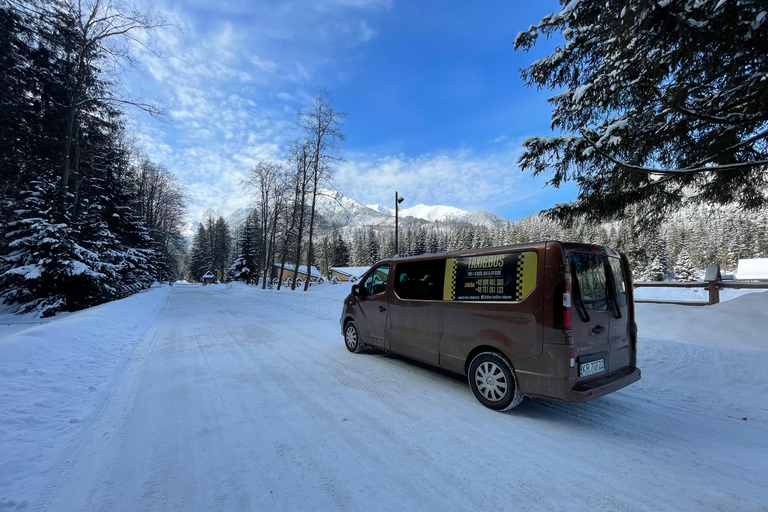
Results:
<point x="272" y="238"/>
<point x="311" y="231"/>
<point x="264" y="242"/>
<point x="78" y="178"/>
<point x="69" y="130"/>
<point x="287" y="234"/>
<point x="300" y="235"/>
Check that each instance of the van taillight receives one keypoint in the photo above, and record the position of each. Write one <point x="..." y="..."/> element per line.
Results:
<point x="567" y="319"/>
<point x="567" y="324"/>
<point x="563" y="305"/>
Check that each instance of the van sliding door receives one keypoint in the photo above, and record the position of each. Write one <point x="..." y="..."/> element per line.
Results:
<point x="416" y="312"/>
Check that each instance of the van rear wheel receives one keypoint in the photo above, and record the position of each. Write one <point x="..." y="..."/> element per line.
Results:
<point x="352" y="338"/>
<point x="493" y="381"/>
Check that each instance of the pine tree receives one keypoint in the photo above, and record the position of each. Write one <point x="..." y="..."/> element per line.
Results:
<point x="684" y="269"/>
<point x="201" y="259"/>
<point x="341" y="253"/>
<point x="45" y="267"/>
<point x="246" y="264"/>
<point x="656" y="270"/>
<point x="371" y="247"/>
<point x="672" y="90"/>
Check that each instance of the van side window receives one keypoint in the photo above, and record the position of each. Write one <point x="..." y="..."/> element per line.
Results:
<point x="420" y="280"/>
<point x="376" y="281"/>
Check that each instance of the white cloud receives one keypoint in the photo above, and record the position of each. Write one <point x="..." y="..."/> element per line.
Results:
<point x="366" y="32"/>
<point x="263" y="64"/>
<point x="231" y="92"/>
<point x="456" y="178"/>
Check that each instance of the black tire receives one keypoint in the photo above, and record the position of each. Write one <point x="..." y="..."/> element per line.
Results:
<point x="493" y="382"/>
<point x="352" y="338"/>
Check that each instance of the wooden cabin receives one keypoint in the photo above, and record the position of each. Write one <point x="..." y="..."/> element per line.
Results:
<point x="347" y="274"/>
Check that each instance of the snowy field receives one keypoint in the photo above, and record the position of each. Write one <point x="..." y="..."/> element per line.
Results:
<point x="231" y="398"/>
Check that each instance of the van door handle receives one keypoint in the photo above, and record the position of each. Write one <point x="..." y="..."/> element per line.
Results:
<point x="382" y="309"/>
<point x="598" y="329"/>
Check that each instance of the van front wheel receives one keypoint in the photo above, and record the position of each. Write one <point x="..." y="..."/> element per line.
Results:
<point x="352" y="338"/>
<point x="493" y="381"/>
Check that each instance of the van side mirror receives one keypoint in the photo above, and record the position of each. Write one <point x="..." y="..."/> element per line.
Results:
<point x="356" y="290"/>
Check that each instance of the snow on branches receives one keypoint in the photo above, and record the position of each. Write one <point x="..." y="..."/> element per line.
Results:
<point x="665" y="102"/>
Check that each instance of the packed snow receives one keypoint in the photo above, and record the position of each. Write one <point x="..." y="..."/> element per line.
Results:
<point x="229" y="397"/>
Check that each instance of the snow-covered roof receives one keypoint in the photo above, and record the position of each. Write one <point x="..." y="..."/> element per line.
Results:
<point x="208" y="274"/>
<point x="756" y="268"/>
<point x="302" y="269"/>
<point x="351" y="271"/>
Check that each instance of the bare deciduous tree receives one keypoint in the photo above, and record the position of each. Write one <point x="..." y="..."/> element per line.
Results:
<point x="105" y="32"/>
<point x="269" y="185"/>
<point x="322" y="127"/>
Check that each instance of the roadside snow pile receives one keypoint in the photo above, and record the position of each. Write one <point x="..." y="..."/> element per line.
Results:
<point x="54" y="376"/>
<point x="714" y="355"/>
<point x="740" y="323"/>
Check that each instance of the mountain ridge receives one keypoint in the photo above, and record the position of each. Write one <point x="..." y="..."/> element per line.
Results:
<point x="333" y="207"/>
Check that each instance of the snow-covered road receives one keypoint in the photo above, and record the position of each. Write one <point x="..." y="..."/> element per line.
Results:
<point x="242" y="399"/>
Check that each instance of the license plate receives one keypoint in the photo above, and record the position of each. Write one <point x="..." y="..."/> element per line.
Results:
<point x="591" y="367"/>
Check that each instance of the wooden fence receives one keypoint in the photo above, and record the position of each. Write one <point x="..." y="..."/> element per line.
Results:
<point x="713" y="282"/>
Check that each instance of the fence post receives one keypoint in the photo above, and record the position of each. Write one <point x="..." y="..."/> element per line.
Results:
<point x="712" y="276"/>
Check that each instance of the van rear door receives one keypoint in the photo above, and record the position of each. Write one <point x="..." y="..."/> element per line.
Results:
<point x="592" y="318"/>
<point x="619" y="333"/>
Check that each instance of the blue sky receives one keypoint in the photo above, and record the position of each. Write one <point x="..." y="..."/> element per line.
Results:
<point x="437" y="109"/>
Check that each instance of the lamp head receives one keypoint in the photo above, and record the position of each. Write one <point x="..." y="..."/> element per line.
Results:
<point x="399" y="200"/>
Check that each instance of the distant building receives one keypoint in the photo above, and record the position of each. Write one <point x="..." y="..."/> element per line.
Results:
<point x="753" y="269"/>
<point x="301" y="274"/>
<point x="208" y="278"/>
<point x="350" y="274"/>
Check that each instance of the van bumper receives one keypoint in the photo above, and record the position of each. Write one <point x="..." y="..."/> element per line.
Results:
<point x="603" y="386"/>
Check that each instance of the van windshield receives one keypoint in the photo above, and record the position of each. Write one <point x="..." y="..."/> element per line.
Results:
<point x="600" y="281"/>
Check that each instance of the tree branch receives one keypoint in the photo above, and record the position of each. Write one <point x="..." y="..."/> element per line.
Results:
<point x="675" y="172"/>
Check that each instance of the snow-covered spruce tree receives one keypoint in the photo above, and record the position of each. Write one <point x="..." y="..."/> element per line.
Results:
<point x="341" y="252"/>
<point x="684" y="269"/>
<point x="419" y="241"/>
<point x="656" y="271"/>
<point x="371" y="247"/>
<point x="246" y="264"/>
<point x="200" y="258"/>
<point x="45" y="268"/>
<point x="665" y="103"/>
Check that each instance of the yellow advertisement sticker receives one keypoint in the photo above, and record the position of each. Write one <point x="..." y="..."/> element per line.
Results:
<point x="496" y="277"/>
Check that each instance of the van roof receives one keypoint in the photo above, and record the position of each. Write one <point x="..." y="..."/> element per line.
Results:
<point x="567" y="247"/>
<point x="472" y="252"/>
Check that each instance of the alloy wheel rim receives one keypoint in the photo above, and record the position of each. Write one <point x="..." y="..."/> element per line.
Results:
<point x="351" y="337"/>
<point x="491" y="381"/>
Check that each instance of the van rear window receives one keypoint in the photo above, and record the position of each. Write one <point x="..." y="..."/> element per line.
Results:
<point x="598" y="275"/>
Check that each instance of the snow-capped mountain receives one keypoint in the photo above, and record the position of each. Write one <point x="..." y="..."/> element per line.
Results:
<point x="433" y="213"/>
<point x="333" y="207"/>
<point x="381" y="209"/>
<point x="336" y="208"/>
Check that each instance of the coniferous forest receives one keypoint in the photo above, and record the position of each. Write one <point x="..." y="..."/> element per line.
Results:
<point x="689" y="240"/>
<point x="84" y="218"/>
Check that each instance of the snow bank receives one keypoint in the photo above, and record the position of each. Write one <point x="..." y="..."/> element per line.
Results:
<point x="54" y="375"/>
<point x="740" y="323"/>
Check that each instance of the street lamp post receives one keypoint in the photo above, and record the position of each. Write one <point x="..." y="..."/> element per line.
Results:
<point x="398" y="200"/>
